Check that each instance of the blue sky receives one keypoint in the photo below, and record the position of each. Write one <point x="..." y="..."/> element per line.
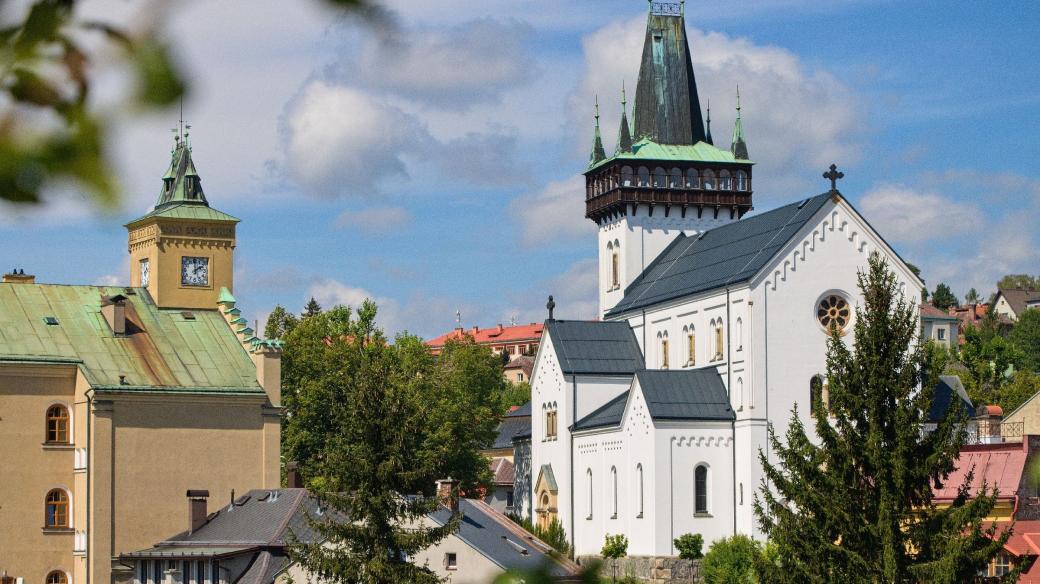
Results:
<point x="432" y="160"/>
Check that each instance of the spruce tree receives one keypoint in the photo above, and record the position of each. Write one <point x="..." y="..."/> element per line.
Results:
<point x="311" y="308"/>
<point x="943" y="297"/>
<point x="854" y="501"/>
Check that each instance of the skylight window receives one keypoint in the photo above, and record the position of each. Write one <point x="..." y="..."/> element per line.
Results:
<point x="50" y="320"/>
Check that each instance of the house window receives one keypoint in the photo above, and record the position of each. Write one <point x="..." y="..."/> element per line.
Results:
<point x="659" y="177"/>
<point x="692" y="181"/>
<point x="57" y="510"/>
<point x="677" y="179"/>
<point x="509" y="499"/>
<point x="157" y="572"/>
<point x="550" y="423"/>
<point x="725" y="182"/>
<point x="57" y="425"/>
<point x="691" y="348"/>
<point x="664" y="352"/>
<point x="519" y="376"/>
<point x="740" y="394"/>
<point x="718" y="341"/>
<point x="700" y="490"/>
<point x="742" y="182"/>
<point x="451" y="561"/>
<point x="709" y="180"/>
<point x="644" y="176"/>
<point x="1000" y="565"/>
<point x="941" y="333"/>
<point x="57" y="577"/>
<point x="639" y="475"/>
<point x="740" y="334"/>
<point x="588" y="476"/>
<point x="615" y="270"/>
<point x="613" y="482"/>
<point x="626" y="176"/>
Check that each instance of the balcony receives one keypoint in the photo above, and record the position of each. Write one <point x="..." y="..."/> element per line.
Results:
<point x="988" y="433"/>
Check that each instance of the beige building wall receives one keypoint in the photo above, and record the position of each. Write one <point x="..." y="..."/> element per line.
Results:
<point x="163" y="242"/>
<point x="1029" y="415"/>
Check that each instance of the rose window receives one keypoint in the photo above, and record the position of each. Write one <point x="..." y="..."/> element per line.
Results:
<point x="834" y="311"/>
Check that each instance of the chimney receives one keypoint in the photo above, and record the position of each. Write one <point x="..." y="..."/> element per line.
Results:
<point x="989" y="419"/>
<point x="476" y="330"/>
<point x="500" y="328"/>
<point x="448" y="494"/>
<point x="113" y="308"/>
<point x="196" y="509"/>
<point x="292" y="476"/>
<point x="16" y="276"/>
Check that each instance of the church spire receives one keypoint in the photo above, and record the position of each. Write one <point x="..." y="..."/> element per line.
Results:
<point x="181" y="183"/>
<point x="707" y="131"/>
<point x="624" y="141"/>
<point x="667" y="109"/>
<point x="739" y="145"/>
<point x="598" y="153"/>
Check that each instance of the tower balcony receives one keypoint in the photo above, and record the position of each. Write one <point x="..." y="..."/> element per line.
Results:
<point x="616" y="200"/>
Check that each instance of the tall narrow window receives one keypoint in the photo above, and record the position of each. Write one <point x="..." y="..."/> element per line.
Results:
<point x="664" y="352"/>
<point x="692" y="180"/>
<point x="613" y="483"/>
<point x="725" y="182"/>
<point x="691" y="348"/>
<point x="588" y="474"/>
<point x="718" y="341"/>
<point x="677" y="179"/>
<point x="740" y="334"/>
<point x="615" y="270"/>
<point x="550" y="423"/>
<point x="639" y="476"/>
<point x="626" y="176"/>
<point x="56" y="514"/>
<point x="740" y="394"/>
<point x="700" y="489"/>
<point x="742" y="182"/>
<point x="57" y="577"/>
<point x="708" y="180"/>
<point x="644" y="176"/>
<point x="659" y="177"/>
<point x="57" y="425"/>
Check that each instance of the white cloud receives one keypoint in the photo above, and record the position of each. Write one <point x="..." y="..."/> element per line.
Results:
<point x="330" y="293"/>
<point x="110" y="280"/>
<point x="556" y="212"/>
<point x="340" y="140"/>
<point x="797" y="119"/>
<point x="375" y="220"/>
<point x="573" y="291"/>
<point x="906" y="215"/>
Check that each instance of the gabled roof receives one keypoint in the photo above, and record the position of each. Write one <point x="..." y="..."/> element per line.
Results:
<point x="498" y="334"/>
<point x="692" y="394"/>
<point x="609" y="414"/>
<point x="995" y="465"/>
<point x="594" y="347"/>
<point x="162" y="351"/>
<point x="929" y="312"/>
<point x="508" y="428"/>
<point x="948" y="387"/>
<point x="729" y="254"/>
<point x="502" y="472"/>
<point x="260" y="517"/>
<point x="1019" y="298"/>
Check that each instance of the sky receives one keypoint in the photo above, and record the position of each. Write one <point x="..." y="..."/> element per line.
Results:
<point x="431" y="159"/>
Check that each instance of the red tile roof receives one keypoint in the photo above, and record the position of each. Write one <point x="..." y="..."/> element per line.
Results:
<point x="493" y="335"/>
<point x="929" y="311"/>
<point x="503" y="471"/>
<point x="1024" y="542"/>
<point x="998" y="465"/>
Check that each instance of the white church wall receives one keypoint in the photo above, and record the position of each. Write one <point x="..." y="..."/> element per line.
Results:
<point x="549" y="389"/>
<point x="595" y="391"/>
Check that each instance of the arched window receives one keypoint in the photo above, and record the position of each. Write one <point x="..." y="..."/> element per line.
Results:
<point x="718" y="340"/>
<point x="626" y="176"/>
<point x="664" y="350"/>
<point x="692" y="180"/>
<point x="57" y="424"/>
<point x="740" y="394"/>
<point x="709" y="180"/>
<point x="644" y="176"/>
<point x="56" y="513"/>
<point x="815" y="392"/>
<point x="588" y="475"/>
<point x="676" y="182"/>
<point x="725" y="182"/>
<point x="700" y="489"/>
<point x="691" y="347"/>
<point x="659" y="177"/>
<point x="615" y="265"/>
<point x="639" y="475"/>
<point x="740" y="334"/>
<point x="57" y="577"/>
<point x="613" y="483"/>
<point x="742" y="182"/>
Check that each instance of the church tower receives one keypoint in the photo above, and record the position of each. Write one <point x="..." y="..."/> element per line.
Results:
<point x="665" y="176"/>
<point x="183" y="250"/>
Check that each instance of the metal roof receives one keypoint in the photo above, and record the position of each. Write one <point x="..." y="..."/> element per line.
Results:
<point x="594" y="347"/>
<point x="692" y="394"/>
<point x="259" y="517"/>
<point x="609" y="414"/>
<point x="948" y="386"/>
<point x="162" y="351"/>
<point x="729" y="254"/>
<point x="510" y="427"/>
<point x="649" y="151"/>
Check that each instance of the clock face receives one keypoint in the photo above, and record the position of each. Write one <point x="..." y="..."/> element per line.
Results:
<point x="194" y="271"/>
<point x="146" y="272"/>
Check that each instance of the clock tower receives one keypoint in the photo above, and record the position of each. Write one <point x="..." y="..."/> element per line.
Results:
<point x="183" y="250"/>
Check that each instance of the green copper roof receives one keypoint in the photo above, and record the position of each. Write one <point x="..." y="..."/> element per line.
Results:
<point x="739" y="145"/>
<point x="648" y="150"/>
<point x="225" y="297"/>
<point x="162" y="351"/>
<point x="188" y="211"/>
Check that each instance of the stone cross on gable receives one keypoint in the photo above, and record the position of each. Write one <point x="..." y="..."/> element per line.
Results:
<point x="551" y="305"/>
<point x="833" y="175"/>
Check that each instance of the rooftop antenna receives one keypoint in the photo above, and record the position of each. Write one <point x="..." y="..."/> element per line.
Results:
<point x="458" y="318"/>
<point x="512" y="320"/>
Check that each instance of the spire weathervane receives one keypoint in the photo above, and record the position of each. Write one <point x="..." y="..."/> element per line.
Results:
<point x="833" y="175"/>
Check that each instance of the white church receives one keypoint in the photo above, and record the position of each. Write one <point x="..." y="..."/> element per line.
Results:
<point x="714" y="322"/>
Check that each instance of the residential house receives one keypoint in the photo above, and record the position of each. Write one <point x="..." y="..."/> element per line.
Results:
<point x="1012" y="302"/>
<point x="513" y="340"/>
<point x="519" y="369"/>
<point x="938" y="326"/>
<point x="517" y="421"/>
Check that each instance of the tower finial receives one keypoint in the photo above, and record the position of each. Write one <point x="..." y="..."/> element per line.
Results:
<point x="624" y="100"/>
<point x="738" y="100"/>
<point x="739" y="144"/>
<point x="707" y="132"/>
<point x="598" y="153"/>
<point x="624" y="141"/>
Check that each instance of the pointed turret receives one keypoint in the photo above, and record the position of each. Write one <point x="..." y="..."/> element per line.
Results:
<point x="624" y="140"/>
<point x="707" y="126"/>
<point x="181" y="183"/>
<point x="598" y="153"/>
<point x="667" y="110"/>
<point x="739" y="145"/>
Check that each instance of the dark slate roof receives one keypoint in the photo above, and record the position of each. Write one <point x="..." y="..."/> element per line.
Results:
<point x="508" y="428"/>
<point x="692" y="394"/>
<point x="495" y="536"/>
<point x="1019" y="298"/>
<point x="609" y="414"/>
<point x="726" y="255"/>
<point x="524" y="410"/>
<point x="265" y="567"/>
<point x="949" y="386"/>
<point x="592" y="347"/>
<point x="667" y="108"/>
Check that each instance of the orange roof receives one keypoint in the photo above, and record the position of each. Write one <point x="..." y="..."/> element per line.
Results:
<point x="1024" y="542"/>
<point x="999" y="465"/>
<point x="497" y="334"/>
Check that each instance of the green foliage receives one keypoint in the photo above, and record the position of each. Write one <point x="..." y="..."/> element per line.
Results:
<point x="853" y="503"/>
<point x="972" y="297"/>
<point x="1023" y="385"/>
<point x="279" y="323"/>
<point x="554" y="535"/>
<point x="312" y="308"/>
<point x="614" y="547"/>
<point x="731" y="560"/>
<point x="943" y="297"/>
<point x="544" y="575"/>
<point x="1026" y="337"/>
<point x="988" y="360"/>
<point x="516" y="394"/>
<point x="1019" y="281"/>
<point x="369" y="420"/>
<point x="690" y="546"/>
